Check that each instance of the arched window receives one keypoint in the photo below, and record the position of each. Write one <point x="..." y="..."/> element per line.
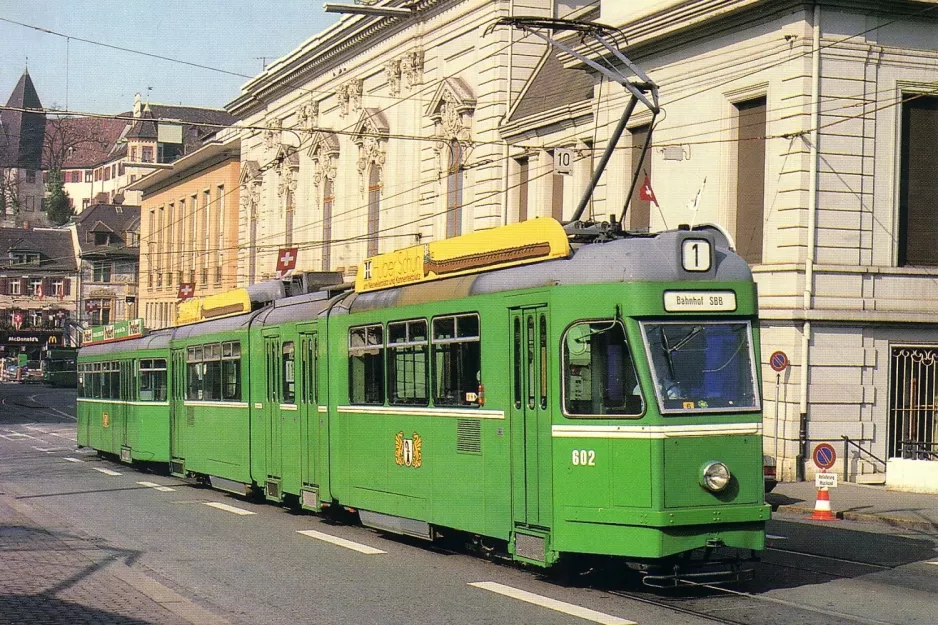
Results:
<point x="454" y="184"/>
<point x="374" y="208"/>
<point x="328" y="201"/>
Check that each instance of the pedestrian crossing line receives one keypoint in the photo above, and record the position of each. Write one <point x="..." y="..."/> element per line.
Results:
<point x="159" y="487"/>
<point x="553" y="604"/>
<point x="776" y="537"/>
<point x="51" y="449"/>
<point x="227" y="508"/>
<point x="341" y="542"/>
<point x="935" y="562"/>
<point x="105" y="471"/>
<point x="72" y="459"/>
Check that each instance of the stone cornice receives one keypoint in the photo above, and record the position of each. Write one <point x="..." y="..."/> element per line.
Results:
<point x="565" y="116"/>
<point x="322" y="53"/>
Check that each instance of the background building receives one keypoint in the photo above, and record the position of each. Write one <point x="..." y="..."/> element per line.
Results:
<point x="22" y="130"/>
<point x="107" y="238"/>
<point x="38" y="298"/>
<point x="189" y="228"/>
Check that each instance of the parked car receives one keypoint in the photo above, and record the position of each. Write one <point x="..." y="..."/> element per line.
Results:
<point x="768" y="473"/>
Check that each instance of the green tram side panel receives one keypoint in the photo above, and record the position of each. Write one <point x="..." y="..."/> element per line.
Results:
<point x="464" y="490"/>
<point x="143" y="427"/>
<point x="215" y="436"/>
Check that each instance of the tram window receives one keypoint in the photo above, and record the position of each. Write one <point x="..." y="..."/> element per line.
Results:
<point x="366" y="365"/>
<point x="312" y="358"/>
<point x="289" y="373"/>
<point x="518" y="363"/>
<point x="231" y="371"/>
<point x="194" y="380"/>
<point x="457" y="360"/>
<point x="543" y="351"/>
<point x="599" y="376"/>
<point x="211" y="372"/>
<point x="153" y="380"/>
<point x="407" y="363"/>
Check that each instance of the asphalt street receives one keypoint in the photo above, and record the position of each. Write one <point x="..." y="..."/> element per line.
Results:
<point x="249" y="562"/>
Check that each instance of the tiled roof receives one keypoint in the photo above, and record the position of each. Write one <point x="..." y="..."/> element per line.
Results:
<point x="54" y="245"/>
<point x="81" y="142"/>
<point x="21" y="133"/>
<point x="108" y="218"/>
<point x="553" y="87"/>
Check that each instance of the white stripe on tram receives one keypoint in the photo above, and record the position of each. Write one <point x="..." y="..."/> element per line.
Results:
<point x="341" y="542"/>
<point x="553" y="604"/>
<point x="653" y="431"/>
<point x="416" y="411"/>
<point x="105" y="471"/>
<point x="227" y="508"/>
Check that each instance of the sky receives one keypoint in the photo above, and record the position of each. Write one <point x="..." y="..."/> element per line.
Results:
<point x="228" y="35"/>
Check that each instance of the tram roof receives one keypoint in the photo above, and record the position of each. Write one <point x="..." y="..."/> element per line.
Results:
<point x="651" y="258"/>
<point x="158" y="339"/>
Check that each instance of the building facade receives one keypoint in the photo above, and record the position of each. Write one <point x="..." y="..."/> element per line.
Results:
<point x="38" y="294"/>
<point x="377" y="134"/>
<point x="107" y="239"/>
<point x="805" y="130"/>
<point x="189" y="228"/>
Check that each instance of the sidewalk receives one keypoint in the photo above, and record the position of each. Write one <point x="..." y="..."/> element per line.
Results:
<point x="50" y="576"/>
<point x="860" y="503"/>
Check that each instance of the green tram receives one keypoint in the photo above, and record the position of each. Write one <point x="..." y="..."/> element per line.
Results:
<point x="549" y="401"/>
<point x="59" y="367"/>
<point x="123" y="407"/>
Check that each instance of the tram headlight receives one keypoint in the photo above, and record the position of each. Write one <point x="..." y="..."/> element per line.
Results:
<point x="715" y="476"/>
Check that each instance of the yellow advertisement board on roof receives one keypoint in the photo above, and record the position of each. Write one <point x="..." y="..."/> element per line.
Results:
<point x="531" y="241"/>
<point x="197" y="309"/>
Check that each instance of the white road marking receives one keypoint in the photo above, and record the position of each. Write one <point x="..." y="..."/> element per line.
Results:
<point x="53" y="433"/>
<point x="19" y="435"/>
<point x="106" y="471"/>
<point x="50" y="449"/>
<point x="774" y="537"/>
<point x="553" y="604"/>
<point x="73" y="459"/>
<point x="341" y="542"/>
<point x="227" y="508"/>
<point x="935" y="562"/>
<point x="159" y="487"/>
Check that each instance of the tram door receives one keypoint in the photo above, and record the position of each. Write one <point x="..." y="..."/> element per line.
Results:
<point x="177" y="414"/>
<point x="273" y="414"/>
<point x="530" y="417"/>
<point x="128" y="394"/>
<point x="310" y="419"/>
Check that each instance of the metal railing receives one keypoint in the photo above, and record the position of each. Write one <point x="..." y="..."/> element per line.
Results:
<point x="863" y="453"/>
<point x="918" y="450"/>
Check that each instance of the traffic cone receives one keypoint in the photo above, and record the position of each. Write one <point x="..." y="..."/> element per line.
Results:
<point x="822" y="507"/>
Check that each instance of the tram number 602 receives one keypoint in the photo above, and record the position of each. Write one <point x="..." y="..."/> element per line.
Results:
<point x="584" y="458"/>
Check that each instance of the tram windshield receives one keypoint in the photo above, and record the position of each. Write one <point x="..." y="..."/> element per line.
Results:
<point x="702" y="366"/>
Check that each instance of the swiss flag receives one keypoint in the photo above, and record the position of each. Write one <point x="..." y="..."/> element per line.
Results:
<point x="186" y="291"/>
<point x="286" y="260"/>
<point x="17" y="320"/>
<point x="646" y="193"/>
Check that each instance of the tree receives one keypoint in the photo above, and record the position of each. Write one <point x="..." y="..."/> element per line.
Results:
<point x="58" y="204"/>
<point x="9" y="192"/>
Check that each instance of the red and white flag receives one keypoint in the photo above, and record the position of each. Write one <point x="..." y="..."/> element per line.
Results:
<point x="186" y="291"/>
<point x="646" y="193"/>
<point x="286" y="260"/>
<point x="39" y="292"/>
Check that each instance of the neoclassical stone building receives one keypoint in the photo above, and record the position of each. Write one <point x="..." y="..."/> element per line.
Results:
<point x="804" y="128"/>
<point x="807" y="130"/>
<point x="379" y="133"/>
